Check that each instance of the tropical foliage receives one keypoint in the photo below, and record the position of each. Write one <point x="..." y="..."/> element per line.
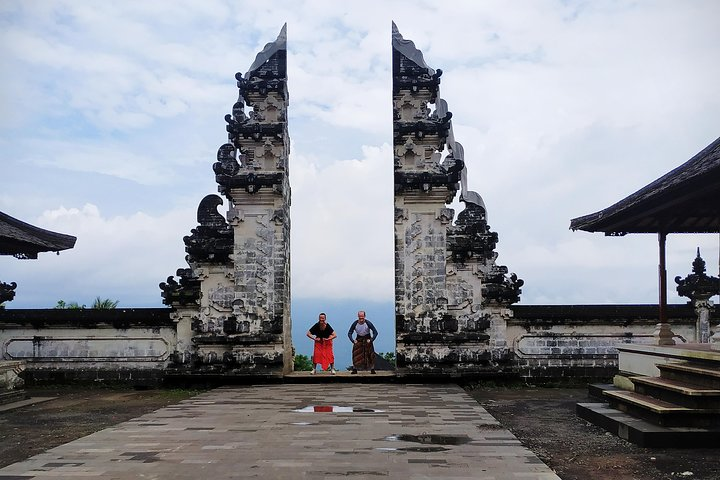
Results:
<point x="105" y="303"/>
<point x="98" y="303"/>
<point x="61" y="304"/>
<point x="302" y="363"/>
<point x="389" y="356"/>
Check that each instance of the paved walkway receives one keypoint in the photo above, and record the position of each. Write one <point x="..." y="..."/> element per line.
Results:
<point x="300" y="431"/>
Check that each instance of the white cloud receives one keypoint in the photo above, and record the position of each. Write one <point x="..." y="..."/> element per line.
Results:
<point x="342" y="227"/>
<point x="122" y="257"/>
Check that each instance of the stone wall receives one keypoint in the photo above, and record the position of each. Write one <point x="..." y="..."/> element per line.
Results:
<point x="141" y="346"/>
<point x="579" y="341"/>
<point x="123" y="345"/>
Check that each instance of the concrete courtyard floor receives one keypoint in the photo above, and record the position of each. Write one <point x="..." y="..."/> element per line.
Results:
<point x="295" y="431"/>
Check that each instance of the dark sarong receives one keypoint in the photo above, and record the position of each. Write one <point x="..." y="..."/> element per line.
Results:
<point x="323" y="353"/>
<point x="363" y="353"/>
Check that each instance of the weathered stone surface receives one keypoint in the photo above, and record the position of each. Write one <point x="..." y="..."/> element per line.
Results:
<point x="240" y="265"/>
<point x="450" y="298"/>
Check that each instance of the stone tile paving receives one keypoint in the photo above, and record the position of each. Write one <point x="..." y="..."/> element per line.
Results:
<point x="300" y="431"/>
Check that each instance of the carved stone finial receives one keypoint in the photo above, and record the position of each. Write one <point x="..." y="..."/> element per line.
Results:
<point x="268" y="51"/>
<point x="408" y="49"/>
<point x="207" y="213"/>
<point x="698" y="286"/>
<point x="212" y="240"/>
<point x="698" y="264"/>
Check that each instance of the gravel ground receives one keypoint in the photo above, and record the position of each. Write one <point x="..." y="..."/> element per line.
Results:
<point x="30" y="430"/>
<point x="542" y="418"/>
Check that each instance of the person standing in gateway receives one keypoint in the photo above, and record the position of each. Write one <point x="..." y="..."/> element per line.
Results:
<point x="363" y="353"/>
<point x="322" y="334"/>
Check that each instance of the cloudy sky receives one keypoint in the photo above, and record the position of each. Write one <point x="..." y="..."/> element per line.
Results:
<point x="112" y="113"/>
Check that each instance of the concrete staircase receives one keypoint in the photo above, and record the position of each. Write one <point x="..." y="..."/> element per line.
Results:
<point x="12" y="396"/>
<point x="680" y="408"/>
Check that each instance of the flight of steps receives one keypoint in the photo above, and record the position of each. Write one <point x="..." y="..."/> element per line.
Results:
<point x="12" y="396"/>
<point x="680" y="408"/>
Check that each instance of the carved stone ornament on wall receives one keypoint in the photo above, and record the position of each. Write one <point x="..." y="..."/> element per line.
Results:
<point x="185" y="292"/>
<point x="212" y="240"/>
<point x="698" y="285"/>
<point x="7" y="291"/>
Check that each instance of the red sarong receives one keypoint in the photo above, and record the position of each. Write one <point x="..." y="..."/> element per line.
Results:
<point x="323" y="354"/>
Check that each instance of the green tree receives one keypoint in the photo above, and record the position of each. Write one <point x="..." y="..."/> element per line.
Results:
<point x="302" y="363"/>
<point x="105" y="304"/>
<point x="389" y="356"/>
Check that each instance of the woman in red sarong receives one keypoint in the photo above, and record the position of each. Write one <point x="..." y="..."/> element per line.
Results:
<point x="322" y="334"/>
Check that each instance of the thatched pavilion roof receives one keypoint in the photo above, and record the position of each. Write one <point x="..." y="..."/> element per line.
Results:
<point x="685" y="200"/>
<point x="23" y="240"/>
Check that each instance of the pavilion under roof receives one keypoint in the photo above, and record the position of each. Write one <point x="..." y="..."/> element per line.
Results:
<point x="23" y="240"/>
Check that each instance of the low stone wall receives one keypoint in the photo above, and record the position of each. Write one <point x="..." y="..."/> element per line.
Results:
<point x="579" y="341"/>
<point x="545" y="342"/>
<point x="59" y="346"/>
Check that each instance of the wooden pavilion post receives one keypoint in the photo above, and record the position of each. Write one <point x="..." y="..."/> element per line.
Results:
<point x="663" y="333"/>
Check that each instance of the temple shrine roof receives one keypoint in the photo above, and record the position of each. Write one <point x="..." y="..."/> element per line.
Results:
<point x="685" y="200"/>
<point x="23" y="240"/>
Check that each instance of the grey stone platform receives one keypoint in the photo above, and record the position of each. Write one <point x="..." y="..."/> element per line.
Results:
<point x="300" y="431"/>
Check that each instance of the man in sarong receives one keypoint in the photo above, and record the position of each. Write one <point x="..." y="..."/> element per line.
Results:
<point x="322" y="334"/>
<point x="363" y="353"/>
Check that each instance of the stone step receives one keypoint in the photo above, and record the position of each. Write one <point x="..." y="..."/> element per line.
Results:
<point x="24" y="402"/>
<point x="646" y="434"/>
<point x="698" y="374"/>
<point x="595" y="390"/>
<point x="678" y="392"/>
<point x="661" y="412"/>
<point x="10" y="396"/>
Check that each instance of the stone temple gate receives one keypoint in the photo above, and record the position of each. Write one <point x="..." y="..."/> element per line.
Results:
<point x="232" y="303"/>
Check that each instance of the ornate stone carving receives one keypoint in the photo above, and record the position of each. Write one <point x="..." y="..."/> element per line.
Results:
<point x="7" y="291"/>
<point x="501" y="289"/>
<point x="212" y="240"/>
<point x="451" y="298"/>
<point x="698" y="285"/>
<point x="227" y="163"/>
<point x="185" y="292"/>
<point x="471" y="237"/>
<point x="699" y="288"/>
<point x="239" y="267"/>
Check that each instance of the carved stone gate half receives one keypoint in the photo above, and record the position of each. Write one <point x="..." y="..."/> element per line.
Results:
<point x="232" y="305"/>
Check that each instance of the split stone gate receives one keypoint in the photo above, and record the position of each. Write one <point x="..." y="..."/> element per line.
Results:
<point x="232" y="304"/>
